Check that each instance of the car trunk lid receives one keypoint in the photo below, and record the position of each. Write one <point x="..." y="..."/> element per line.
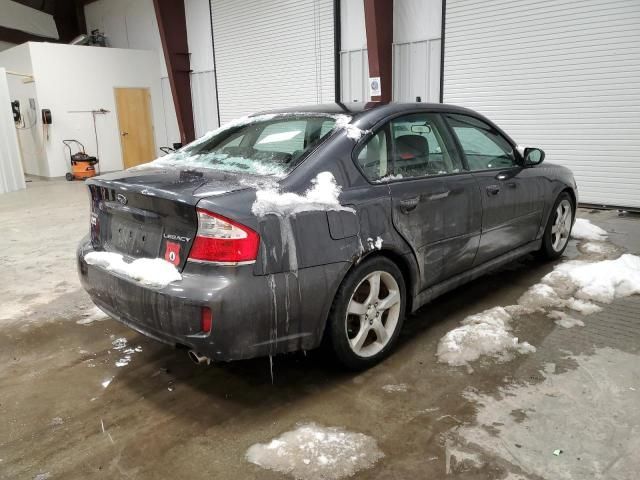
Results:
<point x="151" y="213"/>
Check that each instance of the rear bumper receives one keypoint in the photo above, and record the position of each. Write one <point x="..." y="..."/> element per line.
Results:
<point x="253" y="315"/>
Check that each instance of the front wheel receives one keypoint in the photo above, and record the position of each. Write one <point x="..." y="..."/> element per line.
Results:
<point x="558" y="230"/>
<point x="367" y="313"/>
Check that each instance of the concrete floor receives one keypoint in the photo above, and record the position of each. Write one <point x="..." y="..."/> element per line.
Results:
<point x="162" y="417"/>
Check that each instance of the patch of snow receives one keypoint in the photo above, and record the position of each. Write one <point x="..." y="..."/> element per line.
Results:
<point x="154" y="272"/>
<point x="391" y="388"/>
<point x="605" y="280"/>
<point x="564" y="320"/>
<point x="389" y="178"/>
<point x="119" y="343"/>
<point x="377" y="244"/>
<point x="105" y="383"/>
<point x="314" y="452"/>
<point x="594" y="247"/>
<point x="583" y="229"/>
<point x="582" y="306"/>
<point x="539" y="297"/>
<point x="323" y="195"/>
<point x="485" y="333"/>
<point x="56" y="421"/>
<point x="354" y="133"/>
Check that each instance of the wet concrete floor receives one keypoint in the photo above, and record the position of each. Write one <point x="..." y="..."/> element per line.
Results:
<point x="67" y="411"/>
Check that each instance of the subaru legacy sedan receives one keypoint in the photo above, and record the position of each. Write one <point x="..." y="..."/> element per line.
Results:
<point x="317" y="225"/>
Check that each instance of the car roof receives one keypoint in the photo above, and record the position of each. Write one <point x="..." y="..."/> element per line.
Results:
<point x="371" y="112"/>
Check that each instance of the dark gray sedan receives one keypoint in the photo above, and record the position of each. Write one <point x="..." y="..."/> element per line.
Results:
<point x="291" y="228"/>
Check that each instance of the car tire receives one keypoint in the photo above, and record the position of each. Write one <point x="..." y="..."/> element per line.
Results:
<point x="558" y="229"/>
<point x="363" y="326"/>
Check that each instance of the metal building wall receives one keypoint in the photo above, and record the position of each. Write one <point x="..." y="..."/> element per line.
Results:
<point x="561" y="75"/>
<point x="272" y="54"/>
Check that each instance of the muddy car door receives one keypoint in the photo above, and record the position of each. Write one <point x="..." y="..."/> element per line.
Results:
<point x="435" y="201"/>
<point x="512" y="198"/>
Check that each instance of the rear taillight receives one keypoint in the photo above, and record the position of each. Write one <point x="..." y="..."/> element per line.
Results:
<point x="221" y="240"/>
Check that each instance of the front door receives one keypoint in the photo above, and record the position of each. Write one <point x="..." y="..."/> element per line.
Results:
<point x="436" y="203"/>
<point x="136" y="125"/>
<point x="512" y="197"/>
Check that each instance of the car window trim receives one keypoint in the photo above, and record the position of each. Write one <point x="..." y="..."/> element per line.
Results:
<point x="386" y="122"/>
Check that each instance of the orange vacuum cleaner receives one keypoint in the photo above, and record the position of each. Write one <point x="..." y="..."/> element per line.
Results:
<point x="83" y="166"/>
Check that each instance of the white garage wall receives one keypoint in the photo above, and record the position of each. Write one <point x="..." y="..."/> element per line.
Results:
<point x="417" y="27"/>
<point x="6" y="45"/>
<point x="272" y="54"/>
<point x="564" y="76"/>
<point x="203" y="81"/>
<point x="354" y="64"/>
<point x="11" y="176"/>
<point x="132" y="24"/>
<point x="91" y="88"/>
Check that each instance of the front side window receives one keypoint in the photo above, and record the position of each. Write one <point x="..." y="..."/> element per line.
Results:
<point x="268" y="145"/>
<point x="419" y="149"/>
<point x="484" y="147"/>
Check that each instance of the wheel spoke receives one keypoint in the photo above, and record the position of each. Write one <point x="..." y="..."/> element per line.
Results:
<point x="389" y="301"/>
<point x="555" y="229"/>
<point x="358" y="340"/>
<point x="356" y="308"/>
<point x="381" y="332"/>
<point x="374" y="285"/>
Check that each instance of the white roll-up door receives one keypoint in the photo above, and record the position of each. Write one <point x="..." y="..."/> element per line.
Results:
<point x="272" y="54"/>
<point x="563" y="75"/>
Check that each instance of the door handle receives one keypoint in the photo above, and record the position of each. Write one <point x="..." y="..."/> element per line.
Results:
<point x="502" y="176"/>
<point x="125" y="134"/>
<point x="493" y="190"/>
<point x="409" y="204"/>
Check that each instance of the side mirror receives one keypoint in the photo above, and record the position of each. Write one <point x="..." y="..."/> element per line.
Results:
<point x="533" y="156"/>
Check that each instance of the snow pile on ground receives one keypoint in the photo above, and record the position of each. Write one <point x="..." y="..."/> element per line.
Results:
<point x="571" y="285"/>
<point x="485" y="333"/>
<point x="602" y="281"/>
<point x="323" y="195"/>
<point x="583" y="229"/>
<point x="92" y="315"/>
<point x="564" y="320"/>
<point x="314" y="452"/>
<point x="154" y="272"/>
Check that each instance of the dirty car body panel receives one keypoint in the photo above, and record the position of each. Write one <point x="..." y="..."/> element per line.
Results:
<point x="442" y="228"/>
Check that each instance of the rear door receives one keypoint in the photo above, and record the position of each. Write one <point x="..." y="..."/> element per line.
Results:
<point x="512" y="198"/>
<point x="435" y="201"/>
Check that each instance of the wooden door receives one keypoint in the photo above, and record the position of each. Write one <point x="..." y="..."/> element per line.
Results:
<point x="136" y="125"/>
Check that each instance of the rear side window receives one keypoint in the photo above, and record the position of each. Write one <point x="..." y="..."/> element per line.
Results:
<point x="373" y="158"/>
<point x="419" y="149"/>
<point x="484" y="147"/>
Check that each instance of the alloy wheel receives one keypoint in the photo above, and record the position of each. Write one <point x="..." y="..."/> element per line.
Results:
<point x="561" y="227"/>
<point x="373" y="313"/>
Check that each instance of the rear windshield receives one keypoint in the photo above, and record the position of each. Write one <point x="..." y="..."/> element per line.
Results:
<point x="262" y="145"/>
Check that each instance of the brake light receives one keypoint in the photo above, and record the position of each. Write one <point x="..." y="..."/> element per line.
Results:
<point x="206" y="320"/>
<point x="221" y="240"/>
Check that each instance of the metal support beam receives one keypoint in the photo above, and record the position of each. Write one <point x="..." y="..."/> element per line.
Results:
<point x="378" y="19"/>
<point x="173" y="33"/>
<point x="18" y="37"/>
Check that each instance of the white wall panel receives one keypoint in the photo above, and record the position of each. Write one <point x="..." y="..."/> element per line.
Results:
<point x="11" y="176"/>
<point x="564" y="76"/>
<point x="172" y="131"/>
<point x="353" y="34"/>
<point x="416" y="71"/>
<point x="203" y="96"/>
<point x="272" y="55"/>
<point x="415" y="20"/>
<point x="354" y="76"/>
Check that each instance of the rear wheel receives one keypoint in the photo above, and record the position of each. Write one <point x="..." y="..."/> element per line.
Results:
<point x="69" y="176"/>
<point x="558" y="230"/>
<point x="367" y="313"/>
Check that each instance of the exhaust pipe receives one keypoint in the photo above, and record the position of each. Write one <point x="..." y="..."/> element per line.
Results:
<point x="197" y="358"/>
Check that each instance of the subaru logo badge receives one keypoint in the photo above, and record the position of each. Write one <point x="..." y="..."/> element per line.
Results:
<point x="121" y="198"/>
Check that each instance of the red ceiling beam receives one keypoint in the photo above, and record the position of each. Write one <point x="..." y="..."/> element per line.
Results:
<point x="173" y="33"/>
<point x="378" y="19"/>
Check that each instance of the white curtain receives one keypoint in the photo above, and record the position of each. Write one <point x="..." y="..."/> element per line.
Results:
<point x="11" y="176"/>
